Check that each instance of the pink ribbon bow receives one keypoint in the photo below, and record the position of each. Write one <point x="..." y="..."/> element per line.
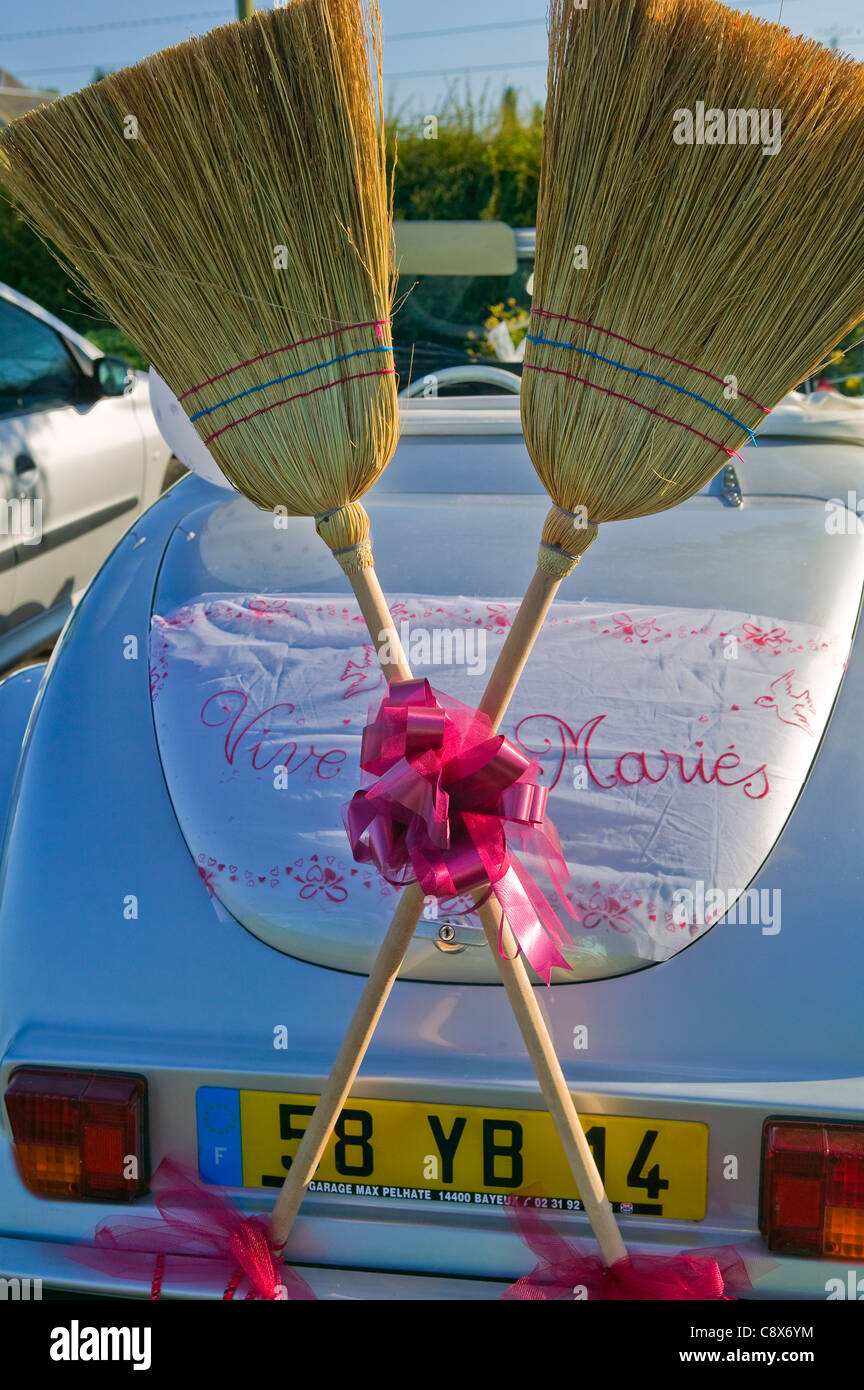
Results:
<point x="201" y="1224"/>
<point x="448" y="793"/>
<point x="565" y="1271"/>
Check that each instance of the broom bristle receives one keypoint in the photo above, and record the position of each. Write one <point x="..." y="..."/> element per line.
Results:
<point x="708" y="256"/>
<point x="251" y="213"/>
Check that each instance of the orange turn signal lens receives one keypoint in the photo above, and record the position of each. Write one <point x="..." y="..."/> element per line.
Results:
<point x="813" y="1188"/>
<point x="79" y="1134"/>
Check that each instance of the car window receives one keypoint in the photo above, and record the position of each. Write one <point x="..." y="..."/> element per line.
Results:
<point x="461" y="320"/>
<point x="37" y="371"/>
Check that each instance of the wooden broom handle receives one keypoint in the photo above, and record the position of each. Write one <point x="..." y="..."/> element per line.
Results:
<point x="352" y="1050"/>
<point x="523" y="1001"/>
<point x="520" y="639"/>
<point x="379" y="619"/>
<point x="508" y="668"/>
<point x="511" y="661"/>
<point x="556" y="1094"/>
<point x="385" y="968"/>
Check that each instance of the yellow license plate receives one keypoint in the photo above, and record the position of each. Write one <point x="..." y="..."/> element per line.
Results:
<point x="411" y="1150"/>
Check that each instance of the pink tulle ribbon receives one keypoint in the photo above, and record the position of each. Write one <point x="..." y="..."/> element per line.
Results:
<point x="199" y="1223"/>
<point x="448" y="794"/>
<point x="565" y="1271"/>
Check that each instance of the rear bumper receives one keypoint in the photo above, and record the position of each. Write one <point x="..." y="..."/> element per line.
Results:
<point x="48" y="1265"/>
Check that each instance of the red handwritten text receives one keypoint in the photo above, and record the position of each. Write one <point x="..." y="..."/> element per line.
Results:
<point x="632" y="768"/>
<point x="217" y="712"/>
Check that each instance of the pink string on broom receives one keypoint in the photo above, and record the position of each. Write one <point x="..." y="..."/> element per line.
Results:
<point x="607" y="391"/>
<point x="377" y="324"/>
<point x="641" y="347"/>
<point x="299" y="396"/>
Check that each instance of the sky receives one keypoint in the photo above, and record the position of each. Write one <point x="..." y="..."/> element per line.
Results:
<point x="420" y="62"/>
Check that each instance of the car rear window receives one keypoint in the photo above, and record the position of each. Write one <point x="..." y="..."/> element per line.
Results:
<point x="461" y="320"/>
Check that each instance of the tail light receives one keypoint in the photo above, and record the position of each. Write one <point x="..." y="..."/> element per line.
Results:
<point x="79" y="1134"/>
<point x="813" y="1188"/>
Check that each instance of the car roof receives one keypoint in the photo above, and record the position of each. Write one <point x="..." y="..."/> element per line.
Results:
<point x="15" y="297"/>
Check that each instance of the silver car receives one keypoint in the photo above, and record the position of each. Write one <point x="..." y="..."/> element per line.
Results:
<point x="182" y="940"/>
<point x="80" y="457"/>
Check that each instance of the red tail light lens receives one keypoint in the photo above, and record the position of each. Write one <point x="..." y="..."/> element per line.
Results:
<point x="813" y="1189"/>
<point x="79" y="1134"/>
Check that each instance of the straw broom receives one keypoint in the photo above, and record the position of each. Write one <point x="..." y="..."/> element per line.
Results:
<point x="242" y="239"/>
<point x="705" y="263"/>
<point x="559" y="548"/>
<point x="261" y="132"/>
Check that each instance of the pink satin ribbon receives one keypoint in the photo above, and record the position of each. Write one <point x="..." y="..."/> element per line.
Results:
<point x="202" y="1225"/>
<point x="448" y="795"/>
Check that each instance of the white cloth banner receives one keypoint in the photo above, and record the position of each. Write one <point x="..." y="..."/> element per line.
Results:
<point x="674" y="743"/>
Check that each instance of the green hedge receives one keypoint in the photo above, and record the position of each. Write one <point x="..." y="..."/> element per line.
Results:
<point x="26" y="264"/>
<point x="29" y="267"/>
<point x="480" y="163"/>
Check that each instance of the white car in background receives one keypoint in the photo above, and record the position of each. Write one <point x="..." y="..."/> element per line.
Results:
<point x="80" y="458"/>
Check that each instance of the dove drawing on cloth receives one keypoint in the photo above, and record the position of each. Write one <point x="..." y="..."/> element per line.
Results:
<point x="789" y="705"/>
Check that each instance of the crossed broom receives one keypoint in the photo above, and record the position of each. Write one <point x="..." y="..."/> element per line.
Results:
<point x="706" y="266"/>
